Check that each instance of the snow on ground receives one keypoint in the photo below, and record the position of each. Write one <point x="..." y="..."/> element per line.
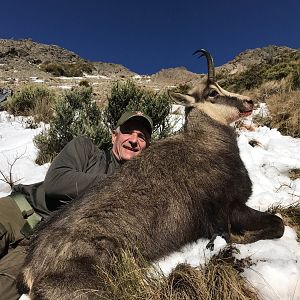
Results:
<point x="65" y="87"/>
<point x="16" y="144"/>
<point x="96" y="76"/>
<point x="36" y="80"/>
<point x="276" y="269"/>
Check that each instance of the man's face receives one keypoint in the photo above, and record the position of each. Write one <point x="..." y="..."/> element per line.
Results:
<point x="130" y="140"/>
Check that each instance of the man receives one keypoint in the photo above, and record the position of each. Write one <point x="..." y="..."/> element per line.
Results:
<point x="75" y="169"/>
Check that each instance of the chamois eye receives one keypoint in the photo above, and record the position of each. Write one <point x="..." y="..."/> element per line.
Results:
<point x="213" y="94"/>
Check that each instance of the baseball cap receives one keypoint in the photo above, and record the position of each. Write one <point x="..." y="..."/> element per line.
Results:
<point x="127" y="115"/>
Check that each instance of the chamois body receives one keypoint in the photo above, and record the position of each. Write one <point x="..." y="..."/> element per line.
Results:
<point x="181" y="188"/>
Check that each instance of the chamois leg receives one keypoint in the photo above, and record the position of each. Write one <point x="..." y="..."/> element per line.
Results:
<point x="79" y="280"/>
<point x="211" y="244"/>
<point x="249" y="225"/>
<point x="76" y="275"/>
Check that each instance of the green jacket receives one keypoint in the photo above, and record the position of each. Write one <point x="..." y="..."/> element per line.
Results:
<point x="76" y="168"/>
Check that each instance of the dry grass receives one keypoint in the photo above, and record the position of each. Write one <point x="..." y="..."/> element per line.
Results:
<point x="283" y="104"/>
<point x="259" y="120"/>
<point x="290" y="215"/>
<point x="224" y="280"/>
<point x="128" y="279"/>
<point x="267" y="89"/>
<point x="219" y="278"/>
<point x="43" y="111"/>
<point x="285" y="112"/>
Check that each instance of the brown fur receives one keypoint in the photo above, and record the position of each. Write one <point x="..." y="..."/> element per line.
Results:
<point x="182" y="188"/>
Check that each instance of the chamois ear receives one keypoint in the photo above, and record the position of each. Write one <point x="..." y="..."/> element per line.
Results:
<point x="182" y="99"/>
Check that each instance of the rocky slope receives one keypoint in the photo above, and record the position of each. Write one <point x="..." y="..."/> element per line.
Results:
<point x="26" y="61"/>
<point x="29" y="55"/>
<point x="246" y="59"/>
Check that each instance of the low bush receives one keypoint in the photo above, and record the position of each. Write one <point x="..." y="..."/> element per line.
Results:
<point x="77" y="115"/>
<point x="84" y="83"/>
<point x="33" y="100"/>
<point x="295" y="81"/>
<point x="128" y="96"/>
<point x="67" y="69"/>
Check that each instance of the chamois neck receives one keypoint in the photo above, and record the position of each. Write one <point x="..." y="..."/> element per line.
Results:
<point x="216" y="112"/>
<point x="197" y="120"/>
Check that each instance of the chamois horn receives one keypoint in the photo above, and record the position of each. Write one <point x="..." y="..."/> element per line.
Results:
<point x="210" y="64"/>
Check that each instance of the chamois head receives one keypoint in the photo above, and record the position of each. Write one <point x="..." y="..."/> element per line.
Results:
<point x="209" y="97"/>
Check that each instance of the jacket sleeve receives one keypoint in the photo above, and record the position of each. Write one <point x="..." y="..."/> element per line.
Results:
<point x="68" y="176"/>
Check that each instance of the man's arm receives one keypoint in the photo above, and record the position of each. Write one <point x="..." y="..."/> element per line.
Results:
<point x="74" y="170"/>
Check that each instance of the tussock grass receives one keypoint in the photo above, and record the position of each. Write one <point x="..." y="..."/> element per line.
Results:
<point x="135" y="279"/>
<point x="267" y="89"/>
<point x="285" y="112"/>
<point x="128" y="278"/>
<point x="224" y="280"/>
<point x="290" y="215"/>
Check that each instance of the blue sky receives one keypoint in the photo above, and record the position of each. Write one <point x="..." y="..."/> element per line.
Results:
<point x="146" y="36"/>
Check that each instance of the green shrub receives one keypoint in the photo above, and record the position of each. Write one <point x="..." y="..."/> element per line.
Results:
<point x="128" y="96"/>
<point x="295" y="82"/>
<point x="54" y="68"/>
<point x="251" y="78"/>
<point x="75" y="115"/>
<point x="258" y="74"/>
<point x="261" y="73"/>
<point x="84" y="83"/>
<point x="33" y="100"/>
<point x="67" y="69"/>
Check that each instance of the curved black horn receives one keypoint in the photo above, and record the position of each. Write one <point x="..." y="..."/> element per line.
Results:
<point x="210" y="64"/>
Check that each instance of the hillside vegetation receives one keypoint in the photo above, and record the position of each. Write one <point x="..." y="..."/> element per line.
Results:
<point x="275" y="79"/>
<point x="270" y="74"/>
<point x="274" y="68"/>
<point x="89" y="102"/>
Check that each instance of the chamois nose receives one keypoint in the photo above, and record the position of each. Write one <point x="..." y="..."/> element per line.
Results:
<point x="249" y="103"/>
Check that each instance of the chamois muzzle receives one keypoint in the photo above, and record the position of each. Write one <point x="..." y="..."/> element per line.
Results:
<point x="247" y="108"/>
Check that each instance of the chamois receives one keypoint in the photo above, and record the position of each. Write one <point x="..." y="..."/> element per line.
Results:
<point x="182" y="188"/>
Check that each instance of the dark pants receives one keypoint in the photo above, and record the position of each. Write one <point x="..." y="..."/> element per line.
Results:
<point x="11" y="255"/>
<point x="10" y="266"/>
